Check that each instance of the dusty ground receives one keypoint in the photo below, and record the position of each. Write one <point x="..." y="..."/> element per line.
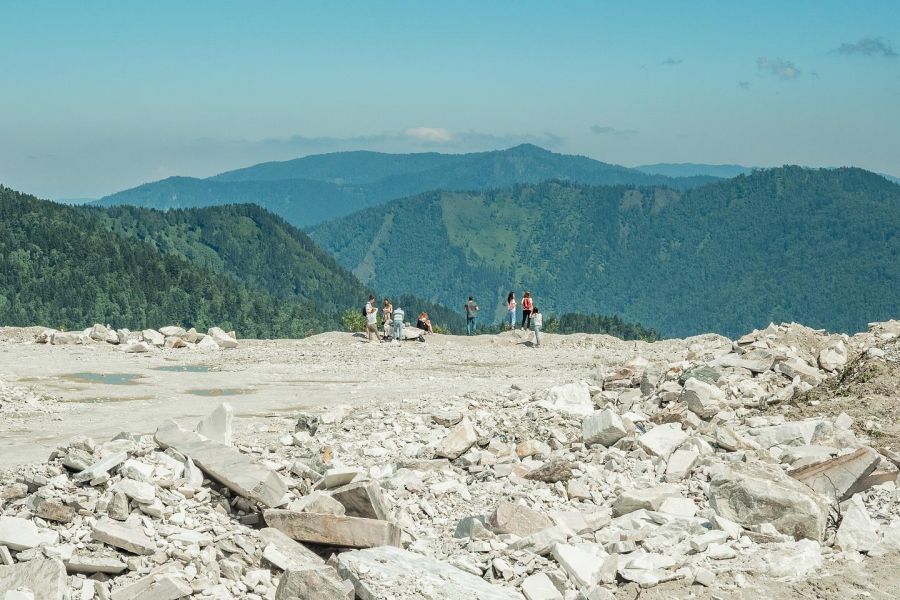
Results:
<point x="265" y="377"/>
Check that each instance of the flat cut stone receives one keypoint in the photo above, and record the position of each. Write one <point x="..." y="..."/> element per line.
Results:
<point x="603" y="427"/>
<point x="333" y="530"/>
<point x="313" y="582"/>
<point x="540" y="587"/>
<point x="22" y="534"/>
<point x="363" y="499"/>
<point x="105" y="465"/>
<point x="94" y="563"/>
<point x="290" y="554"/>
<point x="127" y="536"/>
<point x="236" y="471"/>
<point x="835" y="478"/>
<point x="662" y="440"/>
<point x="383" y="573"/>
<point x="154" y="587"/>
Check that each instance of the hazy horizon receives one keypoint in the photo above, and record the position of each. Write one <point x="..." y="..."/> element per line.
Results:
<point x="108" y="96"/>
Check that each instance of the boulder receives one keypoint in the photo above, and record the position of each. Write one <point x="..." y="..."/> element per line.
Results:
<point x="363" y="499"/>
<point x="570" y="399"/>
<point x="128" y="536"/>
<point x="314" y="582"/>
<point x="220" y="337"/>
<point x="172" y="330"/>
<point x="555" y="469"/>
<point x="458" y="441"/>
<point x="22" y="534"/>
<point x="540" y="587"/>
<point x="583" y="566"/>
<point x="517" y="519"/>
<point x="207" y="343"/>
<point x="643" y="498"/>
<point x="99" y="333"/>
<point x="319" y="502"/>
<point x="834" y="356"/>
<point x="153" y="337"/>
<point x="754" y="493"/>
<point x="45" y="578"/>
<point x="795" y="367"/>
<point x="136" y="348"/>
<point x="235" y="470"/>
<point x="662" y="440"/>
<point x="67" y="338"/>
<point x="333" y="530"/>
<point x="217" y="425"/>
<point x="857" y="531"/>
<point x="837" y="477"/>
<point x="680" y="464"/>
<point x="703" y="399"/>
<point x="382" y="573"/>
<point x="603" y="427"/>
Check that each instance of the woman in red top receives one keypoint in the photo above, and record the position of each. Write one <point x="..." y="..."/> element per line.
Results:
<point x="527" y="305"/>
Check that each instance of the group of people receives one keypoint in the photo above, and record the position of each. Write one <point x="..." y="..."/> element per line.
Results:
<point x="531" y="315"/>
<point x="392" y="320"/>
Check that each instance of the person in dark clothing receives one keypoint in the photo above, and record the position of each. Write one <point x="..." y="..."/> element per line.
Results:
<point x="527" y="306"/>
<point x="471" y="312"/>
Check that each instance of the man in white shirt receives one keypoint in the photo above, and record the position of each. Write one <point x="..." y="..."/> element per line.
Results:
<point x="372" y="319"/>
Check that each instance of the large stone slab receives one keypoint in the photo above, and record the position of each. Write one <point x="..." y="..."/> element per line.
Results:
<point x="46" y="579"/>
<point x="154" y="587"/>
<point x="662" y="440"/>
<point x="603" y="427"/>
<point x="236" y="471"/>
<point x="517" y="519"/>
<point x="394" y="574"/>
<point x="837" y="477"/>
<point x="285" y="553"/>
<point x="22" y="534"/>
<point x="314" y="582"/>
<point x="753" y="493"/>
<point x="128" y="536"/>
<point x="703" y="399"/>
<point x="104" y="465"/>
<point x="570" y="399"/>
<point x="334" y="530"/>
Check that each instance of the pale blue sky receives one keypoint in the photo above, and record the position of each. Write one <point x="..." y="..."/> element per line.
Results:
<point x="100" y="96"/>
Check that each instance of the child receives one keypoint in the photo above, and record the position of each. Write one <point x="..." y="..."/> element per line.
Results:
<point x="538" y="321"/>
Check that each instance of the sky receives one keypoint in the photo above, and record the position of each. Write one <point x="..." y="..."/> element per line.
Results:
<point x="102" y="96"/>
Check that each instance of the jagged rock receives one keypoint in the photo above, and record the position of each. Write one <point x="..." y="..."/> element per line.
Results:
<point x="172" y="330"/>
<point x="542" y="542"/>
<point x="396" y="574"/>
<point x="555" y="469"/>
<point x="752" y="494"/>
<point x="756" y="361"/>
<point x="44" y="578"/>
<point x="680" y="464"/>
<point x="139" y="491"/>
<point x="55" y="510"/>
<point x="446" y="418"/>
<point x="837" y="477"/>
<point x="535" y="448"/>
<point x="334" y="530"/>
<point x="321" y="503"/>
<point x="102" y="466"/>
<point x="539" y="587"/>
<point x="362" y="499"/>
<point x="217" y="425"/>
<point x="153" y="337"/>
<point x="603" y="427"/>
<point x="224" y="340"/>
<point x="127" y="536"/>
<point x="643" y="498"/>
<point x="662" y="440"/>
<point x="175" y="342"/>
<point x="154" y="587"/>
<point x="857" y="530"/>
<point x="834" y="356"/>
<point x="100" y="333"/>
<point x="583" y="566"/>
<point x="22" y="534"/>
<point x="236" y="471"/>
<point x="703" y="399"/>
<point x="208" y="343"/>
<point x="285" y="553"/>
<point x="94" y="563"/>
<point x="315" y="582"/>
<point x="308" y="423"/>
<point x="517" y="519"/>
<point x="794" y="367"/>
<point x="67" y="338"/>
<point x="458" y="441"/>
<point x="570" y="399"/>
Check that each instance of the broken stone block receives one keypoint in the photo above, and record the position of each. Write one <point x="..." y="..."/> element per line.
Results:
<point x="339" y="477"/>
<point x="643" y="498"/>
<point x="45" y="578"/>
<point x="236" y="471"/>
<point x="517" y="519"/>
<point x="363" y="499"/>
<point x="220" y="337"/>
<point x="154" y="587"/>
<point x="55" y="510"/>
<point x="835" y="478"/>
<point x="103" y="466"/>
<point x="127" y="536"/>
<point x="381" y="573"/>
<point x="333" y="530"/>
<point x="533" y="448"/>
<point x="556" y="469"/>
<point x="582" y="566"/>
<point x="314" y="582"/>
<point x="139" y="491"/>
<point x="753" y="493"/>
<point x="857" y="531"/>
<point x="680" y="464"/>
<point x="794" y="367"/>
<point x="570" y="399"/>
<point x="758" y="361"/>
<point x="834" y="356"/>
<point x="318" y="502"/>
<point x="151" y="336"/>
<point x="217" y="425"/>
<point x="603" y="427"/>
<point x="88" y="564"/>
<point x="285" y="553"/>
<point x="458" y="441"/>
<point x="542" y="542"/>
<point x="22" y="534"/>
<point x="703" y="399"/>
<point x="539" y="587"/>
<point x="662" y="440"/>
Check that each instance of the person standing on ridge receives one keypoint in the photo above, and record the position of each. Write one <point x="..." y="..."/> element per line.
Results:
<point x="398" y="324"/>
<point x="471" y="312"/>
<point x="527" y="305"/>
<point x="372" y="319"/>
<point x="387" y="314"/>
<point x="538" y="321"/>
<point x="511" y="308"/>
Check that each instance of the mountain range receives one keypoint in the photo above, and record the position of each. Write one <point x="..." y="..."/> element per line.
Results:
<point x="820" y="246"/>
<point x="314" y="189"/>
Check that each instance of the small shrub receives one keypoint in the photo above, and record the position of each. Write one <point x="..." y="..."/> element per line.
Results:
<point x="353" y="321"/>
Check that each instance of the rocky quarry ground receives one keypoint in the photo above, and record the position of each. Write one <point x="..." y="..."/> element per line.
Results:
<point x="459" y="468"/>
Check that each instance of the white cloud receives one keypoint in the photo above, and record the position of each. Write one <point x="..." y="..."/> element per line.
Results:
<point x="429" y="134"/>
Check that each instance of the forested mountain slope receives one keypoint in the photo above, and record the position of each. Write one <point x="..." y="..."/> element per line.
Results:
<point x="314" y="189"/>
<point x="817" y="246"/>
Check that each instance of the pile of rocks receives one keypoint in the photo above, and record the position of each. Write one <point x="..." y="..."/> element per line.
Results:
<point x="651" y="472"/>
<point x="17" y="404"/>
<point x="142" y="341"/>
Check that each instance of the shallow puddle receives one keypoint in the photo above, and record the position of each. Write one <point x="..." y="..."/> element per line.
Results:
<point x="105" y="400"/>
<point x="105" y="378"/>
<point x="213" y="392"/>
<point x="184" y="368"/>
